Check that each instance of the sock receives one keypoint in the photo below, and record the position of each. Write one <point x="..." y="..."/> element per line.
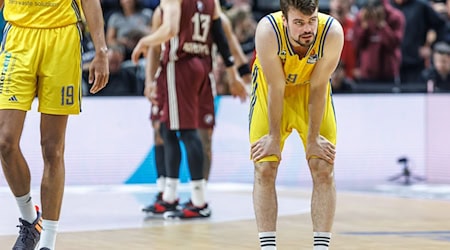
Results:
<point x="160" y="184"/>
<point x="268" y="240"/>
<point x="48" y="235"/>
<point x="26" y="207"/>
<point x="170" y="191"/>
<point x="322" y="240"/>
<point x="198" y="193"/>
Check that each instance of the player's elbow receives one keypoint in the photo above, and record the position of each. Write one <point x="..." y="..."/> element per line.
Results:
<point x="172" y="31"/>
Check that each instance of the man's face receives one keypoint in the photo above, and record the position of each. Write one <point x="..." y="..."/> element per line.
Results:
<point x="442" y="63"/>
<point x="302" y="29"/>
<point x="340" y="8"/>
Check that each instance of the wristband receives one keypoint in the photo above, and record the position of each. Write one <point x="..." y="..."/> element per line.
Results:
<point x="244" y="69"/>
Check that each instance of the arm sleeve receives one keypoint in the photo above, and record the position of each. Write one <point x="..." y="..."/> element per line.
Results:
<point x="222" y="43"/>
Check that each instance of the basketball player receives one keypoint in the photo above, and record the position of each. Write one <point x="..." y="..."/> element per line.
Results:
<point x="297" y="50"/>
<point x="205" y="134"/>
<point x="41" y="56"/>
<point x="191" y="26"/>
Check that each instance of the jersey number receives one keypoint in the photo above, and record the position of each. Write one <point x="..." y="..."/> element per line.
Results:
<point x="67" y="95"/>
<point x="202" y="23"/>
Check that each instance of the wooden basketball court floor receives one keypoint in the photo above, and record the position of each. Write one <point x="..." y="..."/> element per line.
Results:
<point x="110" y="217"/>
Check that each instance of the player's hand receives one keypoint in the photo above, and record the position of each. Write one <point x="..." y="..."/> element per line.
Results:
<point x="265" y="146"/>
<point x="321" y="148"/>
<point x="238" y="87"/>
<point x="99" y="72"/>
<point x="150" y="91"/>
<point x="140" y="49"/>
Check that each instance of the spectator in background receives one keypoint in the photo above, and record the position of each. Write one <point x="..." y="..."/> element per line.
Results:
<point x="442" y="9"/>
<point x="378" y="33"/>
<point x="340" y="9"/>
<point x="244" y="26"/>
<point x="340" y="83"/>
<point x="420" y="18"/>
<point x="438" y="75"/>
<point x="126" y="26"/>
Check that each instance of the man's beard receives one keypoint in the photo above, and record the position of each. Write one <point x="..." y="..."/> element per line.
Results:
<point x="298" y="40"/>
<point x="303" y="44"/>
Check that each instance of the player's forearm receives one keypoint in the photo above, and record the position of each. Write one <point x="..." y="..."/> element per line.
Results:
<point x="160" y="36"/>
<point x="316" y="107"/>
<point x="235" y="46"/>
<point x="275" y="109"/>
<point x="152" y="64"/>
<point x="94" y="19"/>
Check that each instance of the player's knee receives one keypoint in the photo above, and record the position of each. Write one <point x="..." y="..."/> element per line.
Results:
<point x="189" y="135"/>
<point x="321" y="170"/>
<point x="52" y="151"/>
<point x="7" y="145"/>
<point x="266" y="171"/>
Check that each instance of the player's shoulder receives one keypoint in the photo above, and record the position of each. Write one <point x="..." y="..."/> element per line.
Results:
<point x="335" y="30"/>
<point x="268" y="24"/>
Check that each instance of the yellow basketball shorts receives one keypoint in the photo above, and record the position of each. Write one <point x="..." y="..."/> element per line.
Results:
<point x="42" y="63"/>
<point x="295" y="115"/>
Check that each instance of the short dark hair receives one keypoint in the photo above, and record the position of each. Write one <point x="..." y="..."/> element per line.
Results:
<point x="442" y="48"/>
<point x="305" y="6"/>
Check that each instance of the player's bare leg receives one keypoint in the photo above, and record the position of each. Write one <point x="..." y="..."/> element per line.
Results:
<point x="206" y="138"/>
<point x="14" y="166"/>
<point x="53" y="131"/>
<point x="323" y="202"/>
<point x="265" y="202"/>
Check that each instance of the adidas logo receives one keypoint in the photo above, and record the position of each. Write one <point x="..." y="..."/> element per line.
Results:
<point x="13" y="99"/>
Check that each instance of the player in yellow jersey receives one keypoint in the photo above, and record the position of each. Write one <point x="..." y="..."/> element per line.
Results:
<point x="297" y="49"/>
<point x="41" y="57"/>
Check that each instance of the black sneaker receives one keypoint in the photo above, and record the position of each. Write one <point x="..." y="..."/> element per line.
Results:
<point x="190" y="212"/>
<point x="159" y="196"/>
<point x="160" y="207"/>
<point x="186" y="204"/>
<point x="29" y="233"/>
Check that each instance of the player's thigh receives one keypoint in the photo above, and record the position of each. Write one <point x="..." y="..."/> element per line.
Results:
<point x="206" y="104"/>
<point x="259" y="117"/>
<point x="328" y="124"/>
<point x="19" y="58"/>
<point x="59" y="90"/>
<point x="184" y="79"/>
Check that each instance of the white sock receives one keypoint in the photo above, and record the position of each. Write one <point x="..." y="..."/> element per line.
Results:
<point x="198" y="193"/>
<point x="170" y="190"/>
<point x="26" y="207"/>
<point x="268" y="240"/>
<point x="48" y="235"/>
<point x="161" y="183"/>
<point x="322" y="240"/>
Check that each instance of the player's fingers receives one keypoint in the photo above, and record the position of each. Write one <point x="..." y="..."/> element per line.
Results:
<point x="135" y="55"/>
<point x="91" y="75"/>
<point x="98" y="83"/>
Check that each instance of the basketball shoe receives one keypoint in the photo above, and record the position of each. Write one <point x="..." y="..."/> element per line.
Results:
<point x="160" y="207"/>
<point x="158" y="198"/>
<point x="189" y="212"/>
<point x="29" y="233"/>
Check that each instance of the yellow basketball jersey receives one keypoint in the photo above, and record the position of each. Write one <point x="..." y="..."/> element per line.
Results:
<point x="42" y="13"/>
<point x="298" y="70"/>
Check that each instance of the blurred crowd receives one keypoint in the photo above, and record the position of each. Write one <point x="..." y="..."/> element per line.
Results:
<point x="393" y="45"/>
<point x="390" y="45"/>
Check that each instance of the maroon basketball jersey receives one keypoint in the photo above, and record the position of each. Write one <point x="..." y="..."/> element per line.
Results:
<point x="194" y="38"/>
